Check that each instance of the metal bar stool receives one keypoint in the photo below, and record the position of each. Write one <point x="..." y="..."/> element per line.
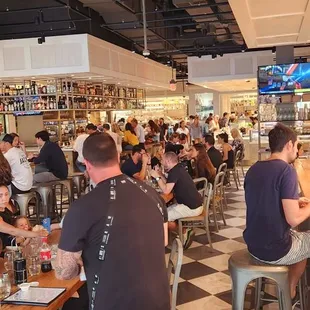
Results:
<point x="79" y="183"/>
<point x="244" y="268"/>
<point x="23" y="201"/>
<point x="46" y="194"/>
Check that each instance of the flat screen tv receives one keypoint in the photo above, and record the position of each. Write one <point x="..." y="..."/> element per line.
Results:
<point x="284" y="79"/>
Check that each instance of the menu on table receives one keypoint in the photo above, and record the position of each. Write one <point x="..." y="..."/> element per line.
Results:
<point x="36" y="296"/>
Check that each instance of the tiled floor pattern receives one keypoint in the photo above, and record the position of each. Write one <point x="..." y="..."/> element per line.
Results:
<point x="204" y="281"/>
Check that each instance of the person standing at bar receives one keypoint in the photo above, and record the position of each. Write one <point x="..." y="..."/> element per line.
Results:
<point x="139" y="132"/>
<point x="123" y="249"/>
<point x="274" y="208"/>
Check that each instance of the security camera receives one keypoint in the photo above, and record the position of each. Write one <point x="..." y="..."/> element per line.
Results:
<point x="146" y="53"/>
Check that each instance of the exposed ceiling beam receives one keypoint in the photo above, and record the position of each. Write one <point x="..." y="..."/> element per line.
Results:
<point x="169" y="19"/>
<point x="226" y="21"/>
<point x="138" y="40"/>
<point x="32" y="9"/>
<point x="197" y="6"/>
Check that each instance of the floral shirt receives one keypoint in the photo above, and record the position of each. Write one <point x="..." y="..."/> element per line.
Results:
<point x="238" y="145"/>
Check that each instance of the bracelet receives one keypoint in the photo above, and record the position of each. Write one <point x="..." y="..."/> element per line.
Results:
<point x="157" y="179"/>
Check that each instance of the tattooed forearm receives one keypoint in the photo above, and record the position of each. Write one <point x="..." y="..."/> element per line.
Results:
<point x="67" y="264"/>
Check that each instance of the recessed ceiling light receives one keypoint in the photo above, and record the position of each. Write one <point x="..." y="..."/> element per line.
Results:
<point x="118" y="83"/>
<point x="89" y="78"/>
<point x="104" y="80"/>
<point x="33" y="77"/>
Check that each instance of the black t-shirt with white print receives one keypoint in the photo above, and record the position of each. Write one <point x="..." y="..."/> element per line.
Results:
<point x="133" y="275"/>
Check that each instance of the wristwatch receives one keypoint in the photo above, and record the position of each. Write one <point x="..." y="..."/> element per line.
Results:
<point x="157" y="179"/>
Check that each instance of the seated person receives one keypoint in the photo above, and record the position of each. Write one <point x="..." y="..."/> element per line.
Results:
<point x="136" y="165"/>
<point x="130" y="137"/>
<point x="52" y="161"/>
<point x="188" y="199"/>
<point x="22" y="222"/>
<point x="6" y="221"/>
<point x="173" y="144"/>
<point x="202" y="163"/>
<point x="214" y="154"/>
<point x="274" y="208"/>
<point x="20" y="168"/>
<point x="228" y="152"/>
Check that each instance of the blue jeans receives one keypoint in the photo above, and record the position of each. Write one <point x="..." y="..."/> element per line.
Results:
<point x="80" y="166"/>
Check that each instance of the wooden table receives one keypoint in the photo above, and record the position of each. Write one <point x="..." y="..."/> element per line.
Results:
<point x="49" y="280"/>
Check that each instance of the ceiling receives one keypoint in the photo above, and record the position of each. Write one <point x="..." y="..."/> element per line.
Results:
<point x="175" y="28"/>
<point x="266" y="23"/>
<point x="232" y="85"/>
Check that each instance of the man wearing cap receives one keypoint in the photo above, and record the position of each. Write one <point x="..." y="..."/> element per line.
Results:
<point x="21" y="170"/>
<point x="78" y="145"/>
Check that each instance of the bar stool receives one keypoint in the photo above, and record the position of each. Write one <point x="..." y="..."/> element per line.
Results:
<point x="23" y="201"/>
<point x="46" y="194"/>
<point x="61" y="184"/>
<point x="79" y="183"/>
<point x="244" y="268"/>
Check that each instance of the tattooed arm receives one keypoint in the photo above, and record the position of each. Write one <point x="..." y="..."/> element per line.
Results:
<point x="68" y="264"/>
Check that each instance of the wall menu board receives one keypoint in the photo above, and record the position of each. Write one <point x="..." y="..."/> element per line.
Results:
<point x="284" y="79"/>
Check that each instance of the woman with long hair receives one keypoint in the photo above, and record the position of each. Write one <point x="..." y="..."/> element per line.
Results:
<point x="203" y="165"/>
<point x="5" y="171"/>
<point x="130" y="137"/>
<point x="237" y="144"/>
<point x="228" y="153"/>
<point x="153" y="131"/>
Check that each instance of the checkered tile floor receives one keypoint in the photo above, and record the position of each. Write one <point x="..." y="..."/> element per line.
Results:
<point x="204" y="281"/>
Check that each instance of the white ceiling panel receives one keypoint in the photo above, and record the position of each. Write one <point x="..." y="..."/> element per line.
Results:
<point x="272" y="22"/>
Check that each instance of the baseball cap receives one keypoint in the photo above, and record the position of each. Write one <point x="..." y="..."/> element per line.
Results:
<point x="8" y="138"/>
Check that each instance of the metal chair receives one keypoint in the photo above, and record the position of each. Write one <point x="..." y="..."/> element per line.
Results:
<point x="223" y="168"/>
<point x="217" y="198"/>
<point x="244" y="268"/>
<point x="201" y="220"/>
<point x="58" y="187"/>
<point x="175" y="264"/>
<point x="239" y="163"/>
<point x="23" y="201"/>
<point x="234" y="170"/>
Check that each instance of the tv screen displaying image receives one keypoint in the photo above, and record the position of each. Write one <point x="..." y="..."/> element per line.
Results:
<point x="284" y="79"/>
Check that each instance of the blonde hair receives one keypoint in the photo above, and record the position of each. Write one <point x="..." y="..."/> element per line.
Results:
<point x="237" y="132"/>
<point x="22" y="217"/>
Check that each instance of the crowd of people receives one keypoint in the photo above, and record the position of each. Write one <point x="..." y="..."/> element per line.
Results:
<point x="117" y="159"/>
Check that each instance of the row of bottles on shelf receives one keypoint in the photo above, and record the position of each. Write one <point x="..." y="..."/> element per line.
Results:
<point x="97" y="90"/>
<point x="50" y="103"/>
<point x="33" y="88"/>
<point x="25" y="104"/>
<point x="284" y="112"/>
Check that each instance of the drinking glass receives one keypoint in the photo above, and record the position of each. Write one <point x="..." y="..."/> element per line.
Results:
<point x="3" y="288"/>
<point x="34" y="266"/>
<point x="8" y="261"/>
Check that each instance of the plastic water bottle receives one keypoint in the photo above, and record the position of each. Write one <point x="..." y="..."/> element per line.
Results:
<point x="45" y="256"/>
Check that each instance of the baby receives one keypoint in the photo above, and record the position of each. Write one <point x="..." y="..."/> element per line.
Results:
<point x="22" y="222"/>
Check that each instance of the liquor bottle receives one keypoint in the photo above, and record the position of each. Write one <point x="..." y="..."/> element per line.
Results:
<point x="306" y="112"/>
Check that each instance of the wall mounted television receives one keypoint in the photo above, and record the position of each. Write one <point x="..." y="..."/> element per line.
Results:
<point x="284" y="79"/>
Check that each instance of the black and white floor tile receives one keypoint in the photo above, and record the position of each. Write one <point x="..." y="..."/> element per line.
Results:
<point x="204" y="281"/>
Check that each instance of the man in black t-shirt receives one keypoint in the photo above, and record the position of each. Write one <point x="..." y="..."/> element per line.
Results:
<point x="214" y="154"/>
<point x="189" y="201"/>
<point x="119" y="230"/>
<point x="136" y="165"/>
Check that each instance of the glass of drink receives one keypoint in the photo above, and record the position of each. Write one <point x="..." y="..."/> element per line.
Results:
<point x="34" y="266"/>
<point x="8" y="261"/>
<point x="3" y="290"/>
